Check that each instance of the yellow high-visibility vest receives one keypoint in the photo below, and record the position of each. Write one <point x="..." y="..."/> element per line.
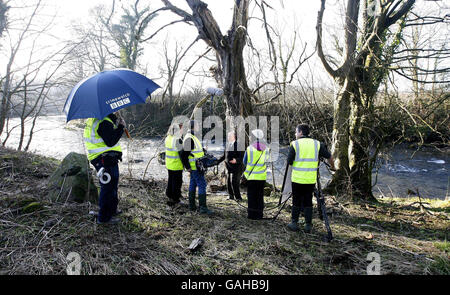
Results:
<point x="196" y="153"/>
<point x="256" y="164"/>
<point x="94" y="143"/>
<point x="306" y="163"/>
<point x="173" y="161"/>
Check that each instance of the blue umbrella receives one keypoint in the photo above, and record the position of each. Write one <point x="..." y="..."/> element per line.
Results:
<point x="107" y="92"/>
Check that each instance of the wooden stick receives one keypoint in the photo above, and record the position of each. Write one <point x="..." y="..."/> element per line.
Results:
<point x="127" y="133"/>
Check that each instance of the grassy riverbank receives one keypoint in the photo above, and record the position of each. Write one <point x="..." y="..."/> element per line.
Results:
<point x="410" y="235"/>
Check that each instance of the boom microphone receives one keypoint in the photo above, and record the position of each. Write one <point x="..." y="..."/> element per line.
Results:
<point x="215" y="91"/>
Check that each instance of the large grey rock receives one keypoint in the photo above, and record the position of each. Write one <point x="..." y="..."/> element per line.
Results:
<point x="72" y="181"/>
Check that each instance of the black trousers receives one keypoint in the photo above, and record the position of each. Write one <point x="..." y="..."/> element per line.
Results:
<point x="233" y="182"/>
<point x="173" y="191"/>
<point x="109" y="199"/>
<point x="255" y="195"/>
<point x="302" y="194"/>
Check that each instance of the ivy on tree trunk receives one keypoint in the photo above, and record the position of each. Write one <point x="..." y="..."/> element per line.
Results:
<point x="367" y="55"/>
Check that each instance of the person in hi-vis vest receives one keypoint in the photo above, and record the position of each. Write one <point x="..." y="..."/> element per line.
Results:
<point x="101" y="138"/>
<point x="304" y="155"/>
<point x="174" y="149"/>
<point x="193" y="150"/>
<point x="255" y="159"/>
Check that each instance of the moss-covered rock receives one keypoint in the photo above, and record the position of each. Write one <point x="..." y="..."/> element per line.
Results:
<point x="73" y="181"/>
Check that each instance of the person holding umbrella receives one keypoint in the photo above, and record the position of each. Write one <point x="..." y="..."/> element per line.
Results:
<point x="101" y="138"/>
<point x="97" y="98"/>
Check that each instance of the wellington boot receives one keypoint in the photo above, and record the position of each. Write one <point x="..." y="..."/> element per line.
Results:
<point x="308" y="219"/>
<point x="293" y="226"/>
<point x="202" y="204"/>
<point x="192" y="205"/>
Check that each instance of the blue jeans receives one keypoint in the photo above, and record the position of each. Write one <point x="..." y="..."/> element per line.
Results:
<point x="197" y="180"/>
<point x="108" y="193"/>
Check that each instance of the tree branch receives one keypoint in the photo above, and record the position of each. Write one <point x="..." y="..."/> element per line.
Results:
<point x="392" y="18"/>
<point x="319" y="47"/>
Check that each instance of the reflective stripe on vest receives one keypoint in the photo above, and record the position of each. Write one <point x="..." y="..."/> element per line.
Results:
<point x="173" y="161"/>
<point x="256" y="166"/>
<point x="197" y="152"/>
<point x="94" y="143"/>
<point x="306" y="163"/>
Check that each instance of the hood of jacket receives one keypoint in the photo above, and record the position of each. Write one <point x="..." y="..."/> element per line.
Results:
<point x="260" y="146"/>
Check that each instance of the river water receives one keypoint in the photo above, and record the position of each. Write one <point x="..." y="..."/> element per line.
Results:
<point x="401" y="170"/>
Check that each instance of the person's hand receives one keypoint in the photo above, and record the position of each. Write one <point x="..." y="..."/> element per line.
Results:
<point x="122" y="122"/>
<point x="233" y="161"/>
<point x="332" y="168"/>
<point x="189" y="170"/>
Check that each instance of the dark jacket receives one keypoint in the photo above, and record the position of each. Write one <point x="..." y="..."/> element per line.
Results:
<point x="111" y="137"/>
<point x="231" y="153"/>
<point x="107" y="132"/>
<point x="179" y="146"/>
<point x="188" y="146"/>
<point x="323" y="152"/>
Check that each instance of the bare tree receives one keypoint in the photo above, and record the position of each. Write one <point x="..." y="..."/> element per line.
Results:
<point x="96" y="50"/>
<point x="172" y="67"/>
<point x="35" y="92"/>
<point x="27" y="86"/>
<point x="230" y="71"/>
<point x="7" y="80"/>
<point x="129" y="32"/>
<point x="424" y="51"/>
<point x="368" y="53"/>
<point x="423" y="59"/>
<point x="357" y="81"/>
<point x="284" y="57"/>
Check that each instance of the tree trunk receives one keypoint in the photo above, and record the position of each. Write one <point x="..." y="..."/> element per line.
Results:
<point x="359" y="150"/>
<point x="358" y="78"/>
<point x="22" y="133"/>
<point x="341" y="179"/>
<point x="352" y="140"/>
<point x="4" y="105"/>
<point x="234" y="83"/>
